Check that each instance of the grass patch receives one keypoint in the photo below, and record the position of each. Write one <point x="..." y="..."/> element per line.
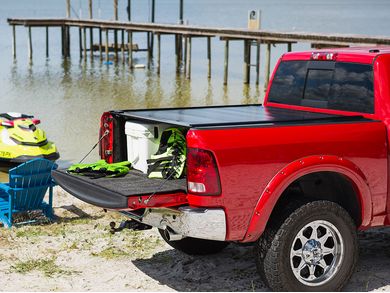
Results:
<point x="47" y="266"/>
<point x="38" y="231"/>
<point x="135" y="247"/>
<point x="111" y="253"/>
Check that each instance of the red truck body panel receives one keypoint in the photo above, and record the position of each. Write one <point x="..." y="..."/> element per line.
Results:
<point x="257" y="164"/>
<point x="251" y="159"/>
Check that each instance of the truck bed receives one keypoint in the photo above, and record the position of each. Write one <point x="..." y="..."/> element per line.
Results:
<point x="230" y="116"/>
<point x="114" y="193"/>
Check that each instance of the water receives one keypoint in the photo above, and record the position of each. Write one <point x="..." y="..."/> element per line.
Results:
<point x="69" y="96"/>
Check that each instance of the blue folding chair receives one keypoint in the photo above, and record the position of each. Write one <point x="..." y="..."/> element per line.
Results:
<point x="28" y="184"/>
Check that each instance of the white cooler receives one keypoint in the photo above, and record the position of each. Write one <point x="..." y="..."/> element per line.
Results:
<point x="142" y="141"/>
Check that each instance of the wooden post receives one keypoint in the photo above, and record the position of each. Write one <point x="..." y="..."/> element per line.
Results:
<point x="152" y="18"/>
<point x="123" y="46"/>
<point x="62" y="41"/>
<point x="177" y="53"/>
<point x="247" y="61"/>
<point x="85" y="42"/>
<point x="129" y="10"/>
<point x="258" y="62"/>
<point x="181" y="12"/>
<point x="116" y="45"/>
<point x="226" y="63"/>
<point x="185" y="40"/>
<point x="67" y="30"/>
<point x="289" y="47"/>
<point x="47" y="42"/>
<point x="67" y="8"/>
<point x="130" y="37"/>
<point x="158" y="52"/>
<point x="115" y="9"/>
<point x="267" y="66"/>
<point x="148" y="49"/>
<point x="90" y="14"/>
<point x="30" y="49"/>
<point x="208" y="57"/>
<point x="14" y="41"/>
<point x="81" y="42"/>
<point x="107" y="57"/>
<point x="188" y="70"/>
<point x="100" y="44"/>
<point x="90" y="10"/>
<point x="91" y="42"/>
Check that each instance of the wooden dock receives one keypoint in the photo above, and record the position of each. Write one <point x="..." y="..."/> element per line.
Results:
<point x="124" y="30"/>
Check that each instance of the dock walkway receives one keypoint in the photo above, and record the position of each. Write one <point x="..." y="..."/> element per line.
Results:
<point x="183" y="36"/>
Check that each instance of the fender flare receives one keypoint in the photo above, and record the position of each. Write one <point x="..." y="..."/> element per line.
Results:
<point x="294" y="171"/>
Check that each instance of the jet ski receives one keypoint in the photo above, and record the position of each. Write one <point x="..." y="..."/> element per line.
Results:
<point x="21" y="140"/>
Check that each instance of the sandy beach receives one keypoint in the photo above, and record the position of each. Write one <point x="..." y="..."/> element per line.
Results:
<point x="78" y="253"/>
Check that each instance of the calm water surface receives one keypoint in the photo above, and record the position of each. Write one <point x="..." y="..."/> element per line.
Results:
<point x="69" y="96"/>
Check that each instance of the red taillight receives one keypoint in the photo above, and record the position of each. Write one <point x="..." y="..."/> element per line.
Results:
<point x="202" y="173"/>
<point x="323" y="56"/>
<point x="106" y="137"/>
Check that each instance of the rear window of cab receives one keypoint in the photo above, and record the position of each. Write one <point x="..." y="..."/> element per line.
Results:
<point x="324" y="84"/>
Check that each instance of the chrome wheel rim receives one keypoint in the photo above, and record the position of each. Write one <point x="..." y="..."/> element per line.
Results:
<point x="316" y="253"/>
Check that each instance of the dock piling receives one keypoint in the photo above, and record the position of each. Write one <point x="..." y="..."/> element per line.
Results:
<point x="116" y="45"/>
<point x="30" y="49"/>
<point x="14" y="41"/>
<point x="181" y="12"/>
<point x="152" y="19"/>
<point x="67" y="43"/>
<point x="47" y="42"/>
<point x="130" y="44"/>
<point x="67" y="8"/>
<point x="85" y="42"/>
<point x="258" y="62"/>
<point x="106" y="49"/>
<point x="177" y="53"/>
<point x="226" y="63"/>
<point x="158" y="53"/>
<point x="267" y="66"/>
<point x="100" y="45"/>
<point x="189" y="49"/>
<point x="185" y="41"/>
<point x="91" y="42"/>
<point x="81" y="42"/>
<point x="208" y="57"/>
<point x="115" y="9"/>
<point x="247" y="61"/>
<point x="123" y="46"/>
<point x="289" y="47"/>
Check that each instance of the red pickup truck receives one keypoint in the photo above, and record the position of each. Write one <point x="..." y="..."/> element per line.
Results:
<point x="296" y="176"/>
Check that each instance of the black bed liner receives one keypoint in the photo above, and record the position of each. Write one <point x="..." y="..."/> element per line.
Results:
<point x="237" y="115"/>
<point x="113" y="193"/>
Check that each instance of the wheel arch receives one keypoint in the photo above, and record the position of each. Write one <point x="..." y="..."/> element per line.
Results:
<point x="298" y="169"/>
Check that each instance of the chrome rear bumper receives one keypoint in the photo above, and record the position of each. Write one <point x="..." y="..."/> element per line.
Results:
<point x="186" y="222"/>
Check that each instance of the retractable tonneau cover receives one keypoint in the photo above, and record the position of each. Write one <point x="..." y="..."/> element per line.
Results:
<point x="220" y="116"/>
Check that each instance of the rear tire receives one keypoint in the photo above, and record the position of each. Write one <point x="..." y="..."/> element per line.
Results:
<point x="311" y="248"/>
<point x="195" y="246"/>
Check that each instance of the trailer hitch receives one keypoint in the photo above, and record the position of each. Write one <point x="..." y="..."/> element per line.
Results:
<point x="129" y="224"/>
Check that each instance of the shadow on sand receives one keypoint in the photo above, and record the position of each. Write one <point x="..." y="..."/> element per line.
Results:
<point x="234" y="269"/>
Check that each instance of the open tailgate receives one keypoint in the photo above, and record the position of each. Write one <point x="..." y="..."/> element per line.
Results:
<point x="128" y="192"/>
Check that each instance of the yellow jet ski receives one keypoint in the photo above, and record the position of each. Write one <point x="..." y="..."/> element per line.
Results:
<point x="21" y="140"/>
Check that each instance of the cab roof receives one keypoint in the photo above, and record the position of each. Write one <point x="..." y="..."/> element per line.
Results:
<point x="349" y="54"/>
